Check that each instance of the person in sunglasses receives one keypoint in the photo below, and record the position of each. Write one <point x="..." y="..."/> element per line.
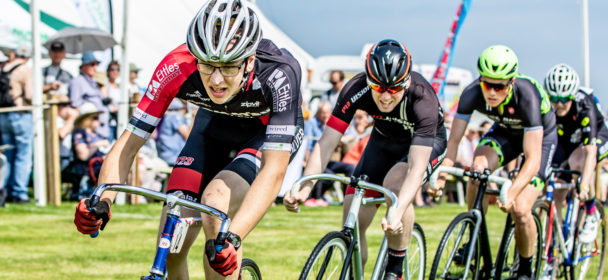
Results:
<point x="524" y="121"/>
<point x="407" y="143"/>
<point x="582" y="136"/>
<point x="244" y="135"/>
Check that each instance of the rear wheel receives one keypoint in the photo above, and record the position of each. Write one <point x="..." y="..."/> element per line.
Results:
<point x="591" y="256"/>
<point x="250" y="270"/>
<point x="552" y="267"/>
<point x="327" y="258"/>
<point x="507" y="261"/>
<point x="452" y="253"/>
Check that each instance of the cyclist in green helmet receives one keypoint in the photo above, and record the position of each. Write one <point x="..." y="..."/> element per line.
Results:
<point x="524" y="122"/>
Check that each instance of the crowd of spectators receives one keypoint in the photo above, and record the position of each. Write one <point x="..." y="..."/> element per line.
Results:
<point x="87" y="107"/>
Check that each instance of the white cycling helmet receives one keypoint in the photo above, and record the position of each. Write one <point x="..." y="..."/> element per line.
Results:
<point x="219" y="23"/>
<point x="561" y="80"/>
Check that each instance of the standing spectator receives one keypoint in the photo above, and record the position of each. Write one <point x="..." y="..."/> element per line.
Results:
<point x="336" y="78"/>
<point x="173" y="131"/>
<point x="55" y="78"/>
<point x="66" y="116"/>
<point x="133" y="86"/>
<point x="83" y="89"/>
<point x="3" y="58"/>
<point x="17" y="127"/>
<point x="113" y="98"/>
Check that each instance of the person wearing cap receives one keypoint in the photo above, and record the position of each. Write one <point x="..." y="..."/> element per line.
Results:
<point x="86" y="145"/>
<point x="55" y="78"/>
<point x="17" y="127"/>
<point x="84" y="88"/>
<point x="133" y="87"/>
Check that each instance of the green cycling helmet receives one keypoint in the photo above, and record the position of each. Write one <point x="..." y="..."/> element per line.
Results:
<point x="497" y="62"/>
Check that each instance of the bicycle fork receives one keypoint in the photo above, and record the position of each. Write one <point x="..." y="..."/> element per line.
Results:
<point x="351" y="229"/>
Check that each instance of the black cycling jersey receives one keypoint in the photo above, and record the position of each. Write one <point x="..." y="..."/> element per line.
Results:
<point x="271" y="94"/>
<point x="417" y="119"/>
<point x="584" y="123"/>
<point x="526" y="107"/>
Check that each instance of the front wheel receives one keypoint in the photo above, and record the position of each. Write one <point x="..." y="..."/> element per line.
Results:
<point x="590" y="256"/>
<point x="415" y="264"/>
<point x="507" y="261"/>
<point x="452" y="253"/>
<point x="327" y="258"/>
<point x="250" y="270"/>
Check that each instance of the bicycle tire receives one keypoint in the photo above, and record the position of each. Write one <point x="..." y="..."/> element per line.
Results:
<point x="593" y="263"/>
<point x="462" y="222"/>
<point x="552" y="266"/>
<point x="416" y="251"/>
<point x="508" y="259"/>
<point x="250" y="270"/>
<point x="323" y="258"/>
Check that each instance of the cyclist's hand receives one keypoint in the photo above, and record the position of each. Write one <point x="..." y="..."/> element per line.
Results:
<point x="507" y="206"/>
<point x="584" y="193"/>
<point x="292" y="203"/>
<point x="394" y="228"/>
<point x="90" y="221"/>
<point x="437" y="190"/>
<point x="223" y="262"/>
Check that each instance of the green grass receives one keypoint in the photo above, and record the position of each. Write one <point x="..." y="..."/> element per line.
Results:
<point x="43" y="243"/>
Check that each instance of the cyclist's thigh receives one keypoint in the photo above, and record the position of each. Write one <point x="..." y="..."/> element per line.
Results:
<point x="496" y="148"/>
<point x="548" y="150"/>
<point x="577" y="158"/>
<point x="366" y="213"/>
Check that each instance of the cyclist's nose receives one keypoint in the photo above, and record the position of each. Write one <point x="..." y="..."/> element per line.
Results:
<point x="216" y="77"/>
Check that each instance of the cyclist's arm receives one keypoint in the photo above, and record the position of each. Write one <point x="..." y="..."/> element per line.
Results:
<point x="320" y="155"/>
<point x="117" y="164"/>
<point x="418" y="160"/>
<point x="459" y="126"/>
<point x="262" y="192"/>
<point x="533" y="145"/>
<point x="589" y="166"/>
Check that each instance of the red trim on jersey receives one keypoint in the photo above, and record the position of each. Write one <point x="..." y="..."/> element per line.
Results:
<point x="182" y="178"/>
<point x="337" y="124"/>
<point x="251" y="151"/>
<point x="265" y="119"/>
<point x="249" y="81"/>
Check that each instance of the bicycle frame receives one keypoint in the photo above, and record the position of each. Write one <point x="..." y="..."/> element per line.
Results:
<point x="351" y="223"/>
<point x="158" y="270"/>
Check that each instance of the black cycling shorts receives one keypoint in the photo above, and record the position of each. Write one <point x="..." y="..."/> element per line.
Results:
<point x="217" y="143"/>
<point x="509" y="146"/>
<point x="382" y="153"/>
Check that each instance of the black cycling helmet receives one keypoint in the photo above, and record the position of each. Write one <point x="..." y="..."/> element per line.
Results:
<point x="388" y="63"/>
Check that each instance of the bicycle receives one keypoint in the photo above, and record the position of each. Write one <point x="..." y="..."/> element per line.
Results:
<point x="338" y="255"/>
<point x="175" y="228"/>
<point x="566" y="256"/>
<point x="457" y="259"/>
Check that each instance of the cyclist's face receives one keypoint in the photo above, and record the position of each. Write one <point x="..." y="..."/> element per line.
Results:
<point x="561" y="109"/>
<point x="222" y="88"/>
<point x="495" y="90"/>
<point x="387" y="101"/>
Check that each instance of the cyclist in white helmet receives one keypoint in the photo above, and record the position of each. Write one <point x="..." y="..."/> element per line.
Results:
<point x="247" y="128"/>
<point x="582" y="136"/>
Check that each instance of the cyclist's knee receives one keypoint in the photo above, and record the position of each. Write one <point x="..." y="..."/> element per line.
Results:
<point x="521" y="216"/>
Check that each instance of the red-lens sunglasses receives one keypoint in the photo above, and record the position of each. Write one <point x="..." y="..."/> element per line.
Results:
<point x="495" y="86"/>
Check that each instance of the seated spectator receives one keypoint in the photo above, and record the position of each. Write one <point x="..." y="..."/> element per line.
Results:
<point x="360" y="127"/>
<point x="66" y="116"/>
<point x="313" y="129"/>
<point x="88" y="148"/>
<point x="173" y="130"/>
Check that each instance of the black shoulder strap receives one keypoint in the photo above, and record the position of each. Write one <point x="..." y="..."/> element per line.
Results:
<point x="10" y="71"/>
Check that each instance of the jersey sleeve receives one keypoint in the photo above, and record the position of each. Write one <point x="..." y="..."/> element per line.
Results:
<point x="282" y="128"/>
<point x="529" y="105"/>
<point x="168" y="77"/>
<point x="470" y="98"/>
<point x="425" y="116"/>
<point x="346" y="105"/>
<point x="588" y="119"/>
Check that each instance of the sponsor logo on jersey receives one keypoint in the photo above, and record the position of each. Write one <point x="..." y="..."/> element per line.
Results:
<point x="297" y="140"/>
<point x="161" y="78"/>
<point x="281" y="89"/>
<point x="359" y="94"/>
<point x="197" y="94"/>
<point x="152" y="91"/>
<point x="248" y="104"/>
<point x="345" y="107"/>
<point x="183" y="160"/>
<point x="511" y="110"/>
<point x="281" y="129"/>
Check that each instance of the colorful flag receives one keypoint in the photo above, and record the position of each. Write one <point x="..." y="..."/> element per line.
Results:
<point x="445" y="60"/>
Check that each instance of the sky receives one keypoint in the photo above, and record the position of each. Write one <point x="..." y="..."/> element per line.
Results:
<point x="541" y="32"/>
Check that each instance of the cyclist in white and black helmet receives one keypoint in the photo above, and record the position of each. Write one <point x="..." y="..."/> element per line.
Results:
<point x="582" y="136"/>
<point x="247" y="128"/>
<point x="408" y="142"/>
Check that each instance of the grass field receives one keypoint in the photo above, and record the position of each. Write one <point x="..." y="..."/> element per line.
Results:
<point x="42" y="242"/>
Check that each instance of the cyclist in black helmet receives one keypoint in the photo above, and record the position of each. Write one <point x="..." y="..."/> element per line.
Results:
<point x="407" y="143"/>
<point x="248" y="126"/>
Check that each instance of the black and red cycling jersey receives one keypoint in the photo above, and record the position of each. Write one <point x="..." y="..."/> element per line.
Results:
<point x="417" y="119"/>
<point x="270" y="94"/>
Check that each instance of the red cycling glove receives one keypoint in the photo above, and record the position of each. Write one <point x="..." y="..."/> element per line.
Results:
<point x="88" y="222"/>
<point x="223" y="262"/>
